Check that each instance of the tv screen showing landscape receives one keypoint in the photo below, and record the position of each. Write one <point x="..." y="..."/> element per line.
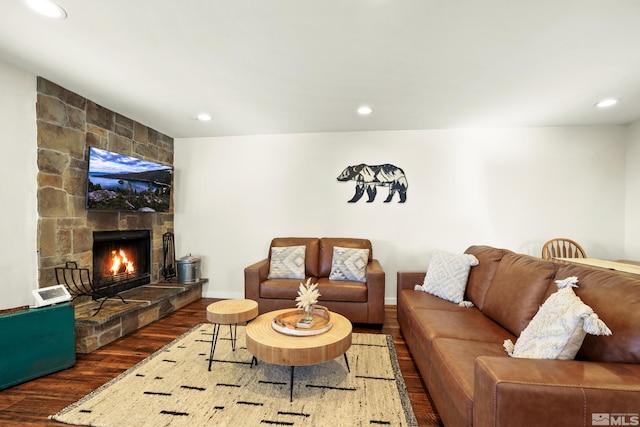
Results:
<point x="117" y="182"/>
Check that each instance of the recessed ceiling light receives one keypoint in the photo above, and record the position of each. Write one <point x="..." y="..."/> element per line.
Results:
<point x="47" y="8"/>
<point x="203" y="117"/>
<point x="365" y="110"/>
<point x="607" y="103"/>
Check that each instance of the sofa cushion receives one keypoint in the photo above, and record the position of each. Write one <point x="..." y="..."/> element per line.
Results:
<point x="409" y="301"/>
<point x="412" y="299"/>
<point x="287" y="262"/>
<point x="325" y="257"/>
<point x="341" y="290"/>
<point x="615" y="297"/>
<point x="559" y="327"/>
<point x="480" y="276"/>
<point x="453" y="376"/>
<point x="517" y="290"/>
<point x="329" y="290"/>
<point x="312" y="245"/>
<point x="280" y="289"/>
<point x="447" y="275"/>
<point x="467" y="324"/>
<point x="349" y="264"/>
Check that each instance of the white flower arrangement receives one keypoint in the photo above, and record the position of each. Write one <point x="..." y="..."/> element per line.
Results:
<point x="307" y="295"/>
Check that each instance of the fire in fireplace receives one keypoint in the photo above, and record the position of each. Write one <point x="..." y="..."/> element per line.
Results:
<point x="120" y="263"/>
<point x="121" y="260"/>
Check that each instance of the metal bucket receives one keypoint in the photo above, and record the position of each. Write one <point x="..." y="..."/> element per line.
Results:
<point x="188" y="269"/>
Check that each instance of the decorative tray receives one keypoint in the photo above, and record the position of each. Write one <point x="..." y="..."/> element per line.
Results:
<point x="285" y="323"/>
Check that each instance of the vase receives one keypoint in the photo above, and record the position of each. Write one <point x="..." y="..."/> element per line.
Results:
<point x="308" y="312"/>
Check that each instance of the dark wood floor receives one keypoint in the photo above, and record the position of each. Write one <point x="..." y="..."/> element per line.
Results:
<point x="30" y="404"/>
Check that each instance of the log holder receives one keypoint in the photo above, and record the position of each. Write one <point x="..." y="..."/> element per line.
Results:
<point x="78" y="282"/>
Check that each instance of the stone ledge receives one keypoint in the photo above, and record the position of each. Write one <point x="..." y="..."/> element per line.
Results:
<point x="142" y="306"/>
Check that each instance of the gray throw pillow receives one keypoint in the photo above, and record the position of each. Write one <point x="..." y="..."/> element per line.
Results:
<point x="349" y="264"/>
<point x="287" y="262"/>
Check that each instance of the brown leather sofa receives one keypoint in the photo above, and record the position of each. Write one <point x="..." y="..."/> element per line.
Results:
<point x="471" y="379"/>
<point x="360" y="302"/>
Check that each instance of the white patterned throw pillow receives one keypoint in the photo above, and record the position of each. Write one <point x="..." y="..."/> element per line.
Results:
<point x="558" y="329"/>
<point x="287" y="262"/>
<point x="349" y="264"/>
<point x="447" y="276"/>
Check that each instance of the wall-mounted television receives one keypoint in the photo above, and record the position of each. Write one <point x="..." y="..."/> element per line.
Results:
<point x="116" y="182"/>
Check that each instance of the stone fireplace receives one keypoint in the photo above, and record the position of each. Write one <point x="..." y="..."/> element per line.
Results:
<point x="67" y="126"/>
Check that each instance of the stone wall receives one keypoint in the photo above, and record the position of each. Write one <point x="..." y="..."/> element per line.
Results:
<point x="67" y="125"/>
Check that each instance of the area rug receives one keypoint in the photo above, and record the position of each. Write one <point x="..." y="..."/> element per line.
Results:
<point x="174" y="387"/>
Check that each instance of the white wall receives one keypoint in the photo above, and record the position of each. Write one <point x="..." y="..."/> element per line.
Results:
<point x="632" y="187"/>
<point x="18" y="175"/>
<point x="511" y="188"/>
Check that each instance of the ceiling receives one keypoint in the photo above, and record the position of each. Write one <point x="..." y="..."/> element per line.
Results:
<point x="289" y="66"/>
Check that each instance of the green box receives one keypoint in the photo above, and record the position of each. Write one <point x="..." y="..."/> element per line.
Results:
<point x="36" y="342"/>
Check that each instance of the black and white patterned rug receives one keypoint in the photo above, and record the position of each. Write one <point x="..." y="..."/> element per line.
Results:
<point x="174" y="387"/>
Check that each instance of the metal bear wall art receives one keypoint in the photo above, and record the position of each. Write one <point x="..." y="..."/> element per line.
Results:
<point x="368" y="177"/>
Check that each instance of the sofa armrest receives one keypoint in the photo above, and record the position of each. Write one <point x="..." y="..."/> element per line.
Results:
<point x="521" y="392"/>
<point x="375" y="280"/>
<point x="375" y="291"/>
<point x="253" y="276"/>
<point x="408" y="279"/>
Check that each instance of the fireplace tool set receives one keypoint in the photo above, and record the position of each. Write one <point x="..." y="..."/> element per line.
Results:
<point x="169" y="250"/>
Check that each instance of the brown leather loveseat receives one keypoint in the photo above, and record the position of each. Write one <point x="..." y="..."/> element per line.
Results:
<point x="473" y="381"/>
<point x="359" y="301"/>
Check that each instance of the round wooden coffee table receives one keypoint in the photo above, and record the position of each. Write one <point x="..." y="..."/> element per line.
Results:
<point x="269" y="345"/>
<point x="229" y="312"/>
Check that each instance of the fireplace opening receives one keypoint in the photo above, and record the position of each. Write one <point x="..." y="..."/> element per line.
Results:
<point x="121" y="260"/>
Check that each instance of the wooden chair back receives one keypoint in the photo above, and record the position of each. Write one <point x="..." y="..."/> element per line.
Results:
<point x="562" y="248"/>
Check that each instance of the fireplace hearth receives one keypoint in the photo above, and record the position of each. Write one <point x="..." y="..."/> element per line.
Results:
<point x="121" y="260"/>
